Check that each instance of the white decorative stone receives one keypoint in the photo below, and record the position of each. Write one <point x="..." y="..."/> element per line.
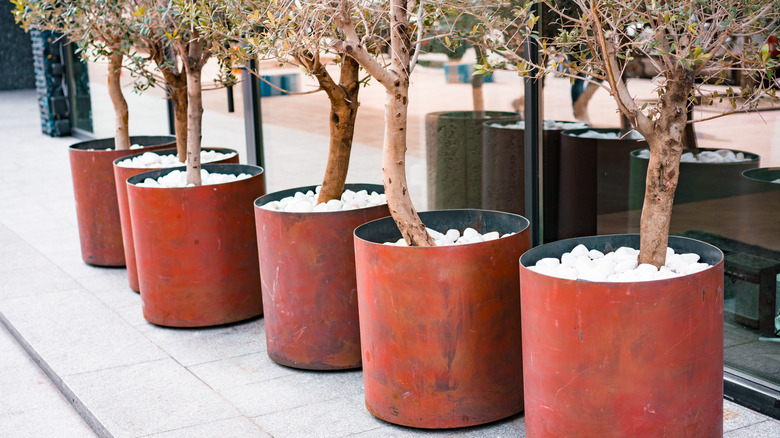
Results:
<point x="718" y="156"/>
<point x="595" y="254"/>
<point x="616" y="266"/>
<point x="493" y="235"/>
<point x="468" y="233"/>
<point x="152" y="159"/>
<point x="547" y="125"/>
<point x="579" y="250"/>
<point x="350" y="200"/>
<point x="454" y="237"/>
<point x="178" y="179"/>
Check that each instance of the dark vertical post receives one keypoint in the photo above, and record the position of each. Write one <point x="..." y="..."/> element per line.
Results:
<point x="231" y="103"/>
<point x="171" y="111"/>
<point x="253" y="120"/>
<point x="533" y="114"/>
<point x="171" y="116"/>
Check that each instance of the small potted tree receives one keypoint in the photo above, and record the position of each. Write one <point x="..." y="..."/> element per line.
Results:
<point x="438" y="323"/>
<point x="310" y="311"/>
<point x="194" y="239"/>
<point x="102" y="31"/>
<point x="158" y="64"/>
<point x="617" y="354"/>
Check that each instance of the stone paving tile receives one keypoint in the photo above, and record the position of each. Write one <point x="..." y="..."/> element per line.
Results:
<point x="148" y="398"/>
<point x="764" y="429"/>
<point x="45" y="278"/>
<point x="736" y="416"/>
<point x="196" y="346"/>
<point x="132" y="314"/>
<point x="30" y="405"/>
<point x="18" y="255"/>
<point x="239" y="371"/>
<point x="238" y="427"/>
<point x="108" y="279"/>
<point x="119" y="298"/>
<point x="76" y="333"/>
<point x="70" y="261"/>
<point x="331" y="418"/>
<point x="284" y="393"/>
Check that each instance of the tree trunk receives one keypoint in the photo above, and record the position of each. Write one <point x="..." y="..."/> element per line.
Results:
<point x="394" y="147"/>
<point x="343" y="112"/>
<point x="177" y="89"/>
<point x="122" y="134"/>
<point x="477" y="94"/>
<point x="180" y="108"/>
<point x="666" y="145"/>
<point x="194" y="66"/>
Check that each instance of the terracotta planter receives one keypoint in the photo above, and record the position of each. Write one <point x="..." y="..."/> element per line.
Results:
<point x="196" y="249"/>
<point x="440" y="327"/>
<point x="453" y="147"/>
<point x="121" y="174"/>
<point x="641" y="359"/>
<point x="307" y="269"/>
<point x="97" y="209"/>
<point x="503" y="176"/>
<point x="594" y="178"/>
<point x="697" y="181"/>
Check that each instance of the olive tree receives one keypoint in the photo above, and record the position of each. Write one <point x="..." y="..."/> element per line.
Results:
<point x="400" y="26"/>
<point x="155" y="24"/>
<point x="280" y="31"/>
<point x="100" y="28"/>
<point x="691" y="43"/>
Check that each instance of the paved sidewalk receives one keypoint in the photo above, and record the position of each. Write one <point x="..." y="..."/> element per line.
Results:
<point x="129" y="378"/>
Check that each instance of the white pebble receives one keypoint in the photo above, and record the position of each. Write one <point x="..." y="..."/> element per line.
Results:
<point x="468" y="233"/>
<point x="595" y="254"/>
<point x="694" y="268"/>
<point x="569" y="259"/>
<point x="493" y="235"/>
<point x="434" y="234"/>
<point x="580" y="250"/>
<point x="453" y="235"/>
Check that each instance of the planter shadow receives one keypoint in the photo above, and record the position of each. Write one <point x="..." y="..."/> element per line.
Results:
<point x="196" y="248"/>
<point x="440" y="326"/>
<point x="307" y="269"/>
<point x="97" y="209"/>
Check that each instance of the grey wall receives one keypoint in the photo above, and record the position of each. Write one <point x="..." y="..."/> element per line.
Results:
<point x="16" y="63"/>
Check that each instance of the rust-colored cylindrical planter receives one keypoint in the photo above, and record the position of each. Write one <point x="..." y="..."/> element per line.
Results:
<point x="453" y="147"/>
<point x="697" y="181"/>
<point x="594" y="177"/>
<point x="196" y="248"/>
<point x="641" y="359"/>
<point x="97" y="209"/>
<point x="121" y="174"/>
<point x="440" y="326"/>
<point x="307" y="269"/>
